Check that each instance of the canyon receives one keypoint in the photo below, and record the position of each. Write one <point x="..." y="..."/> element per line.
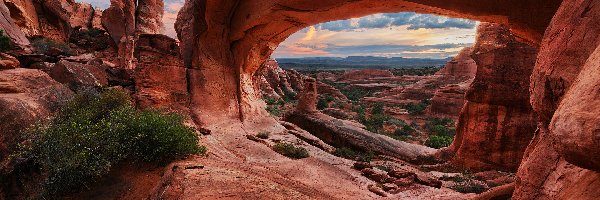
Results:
<point x="524" y="98"/>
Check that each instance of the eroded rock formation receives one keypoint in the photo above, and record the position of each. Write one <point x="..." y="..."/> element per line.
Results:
<point x="563" y="84"/>
<point x="497" y="122"/>
<point x="276" y="83"/>
<point x="342" y="133"/>
<point x="126" y="19"/>
<point x="160" y="77"/>
<point x="228" y="52"/>
<point x="10" y="28"/>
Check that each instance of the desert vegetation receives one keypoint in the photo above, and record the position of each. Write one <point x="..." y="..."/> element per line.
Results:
<point x="98" y="130"/>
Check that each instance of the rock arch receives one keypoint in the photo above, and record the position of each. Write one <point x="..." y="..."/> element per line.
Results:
<point x="225" y="41"/>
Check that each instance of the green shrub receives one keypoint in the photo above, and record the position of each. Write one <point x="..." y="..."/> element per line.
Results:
<point x="329" y="98"/>
<point x="345" y="152"/>
<point x="290" y="151"/>
<point x="406" y="130"/>
<point x="441" y="126"/>
<point x="377" y="109"/>
<point x="417" y="109"/>
<point x="288" y="96"/>
<point x="263" y="135"/>
<point x="469" y="186"/>
<point x="348" y="153"/>
<point x="44" y="45"/>
<point x="95" y="132"/>
<point x="274" y="110"/>
<point x="5" y="43"/>
<point x="397" y="122"/>
<point x="322" y="104"/>
<point x="438" y="141"/>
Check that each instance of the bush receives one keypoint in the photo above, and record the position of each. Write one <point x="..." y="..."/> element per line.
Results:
<point x="417" y="109"/>
<point x="439" y="141"/>
<point x="406" y="130"/>
<point x="44" y="45"/>
<point x="348" y="153"/>
<point x="263" y="135"/>
<point x="377" y="109"/>
<point x="274" y="110"/>
<point x="322" y="104"/>
<point x="469" y="186"/>
<point x="97" y="131"/>
<point x="290" y="151"/>
<point x="5" y="43"/>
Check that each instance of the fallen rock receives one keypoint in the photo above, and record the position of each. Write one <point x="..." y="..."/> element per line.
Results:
<point x="8" y="62"/>
<point x="78" y="76"/>
<point x="377" y="190"/>
<point x="389" y="187"/>
<point x="344" y="133"/>
<point x="427" y="180"/>
<point x="377" y="175"/>
<point x="400" y="173"/>
<point x="403" y="182"/>
<point x="307" y="137"/>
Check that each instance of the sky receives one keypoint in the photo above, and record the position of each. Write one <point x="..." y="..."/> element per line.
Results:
<point x="406" y="34"/>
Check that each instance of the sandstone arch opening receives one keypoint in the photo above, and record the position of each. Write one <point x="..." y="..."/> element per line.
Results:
<point x="224" y="65"/>
<point x="380" y="71"/>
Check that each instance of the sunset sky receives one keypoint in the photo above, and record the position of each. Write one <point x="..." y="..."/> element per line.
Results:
<point x="389" y="34"/>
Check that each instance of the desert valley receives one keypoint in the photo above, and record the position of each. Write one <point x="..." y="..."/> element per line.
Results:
<point x="103" y="103"/>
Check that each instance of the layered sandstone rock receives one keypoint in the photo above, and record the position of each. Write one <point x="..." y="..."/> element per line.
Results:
<point x="119" y="21"/>
<point x="8" y="62"/>
<point x="497" y="122"/>
<point x="459" y="72"/>
<point x="10" y="28"/>
<point x="365" y="74"/>
<point x="276" y="83"/>
<point x="160" y="77"/>
<point x="561" y="162"/>
<point x="27" y="96"/>
<point x="74" y="14"/>
<point x="149" y="17"/>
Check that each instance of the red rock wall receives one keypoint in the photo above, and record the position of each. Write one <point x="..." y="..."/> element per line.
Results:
<point x="497" y="122"/>
<point x="160" y="77"/>
<point x="562" y="160"/>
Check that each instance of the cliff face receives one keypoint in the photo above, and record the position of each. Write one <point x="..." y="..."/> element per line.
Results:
<point x="497" y="123"/>
<point x="276" y="83"/>
<point x="561" y="161"/>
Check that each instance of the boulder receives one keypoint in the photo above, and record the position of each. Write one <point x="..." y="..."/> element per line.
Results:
<point x="27" y="96"/>
<point x="8" y="62"/>
<point x="377" y="175"/>
<point x="78" y="76"/>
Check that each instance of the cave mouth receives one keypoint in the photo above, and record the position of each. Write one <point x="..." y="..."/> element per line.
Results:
<point x="382" y="71"/>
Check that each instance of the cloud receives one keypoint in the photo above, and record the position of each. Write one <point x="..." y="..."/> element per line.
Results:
<point x="412" y="20"/>
<point x="408" y="51"/>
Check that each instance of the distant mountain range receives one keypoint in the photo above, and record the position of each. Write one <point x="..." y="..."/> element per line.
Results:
<point x="358" y="62"/>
